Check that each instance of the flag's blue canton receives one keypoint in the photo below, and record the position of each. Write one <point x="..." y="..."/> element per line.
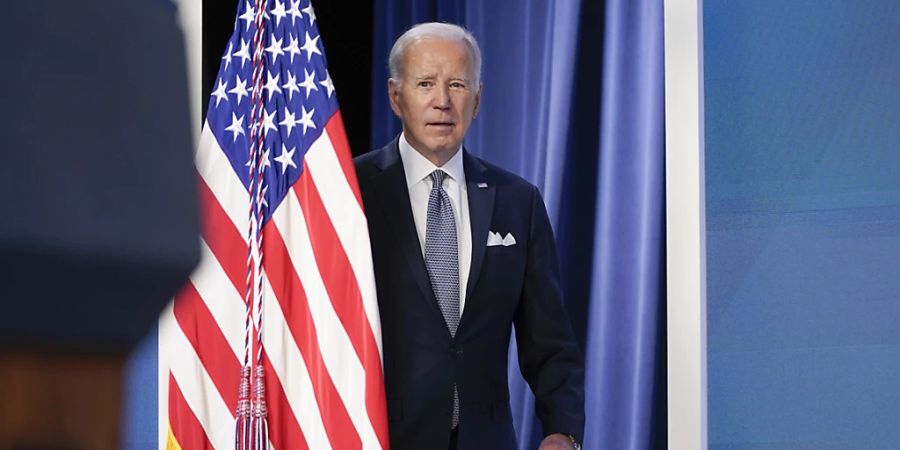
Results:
<point x="299" y="96"/>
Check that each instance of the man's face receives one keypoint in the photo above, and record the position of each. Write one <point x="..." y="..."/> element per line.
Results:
<point x="437" y="96"/>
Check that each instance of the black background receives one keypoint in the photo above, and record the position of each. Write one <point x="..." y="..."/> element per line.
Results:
<point x="346" y="30"/>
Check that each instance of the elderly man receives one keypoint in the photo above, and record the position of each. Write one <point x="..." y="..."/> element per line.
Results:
<point x="462" y="250"/>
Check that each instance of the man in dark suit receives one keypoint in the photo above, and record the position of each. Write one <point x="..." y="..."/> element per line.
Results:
<point x="462" y="251"/>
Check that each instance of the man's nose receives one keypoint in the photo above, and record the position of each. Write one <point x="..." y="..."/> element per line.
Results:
<point x="442" y="98"/>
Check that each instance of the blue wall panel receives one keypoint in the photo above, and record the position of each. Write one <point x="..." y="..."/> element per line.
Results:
<point x="802" y="132"/>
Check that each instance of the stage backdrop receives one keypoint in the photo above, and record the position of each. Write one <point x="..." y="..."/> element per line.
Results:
<point x="803" y="223"/>
<point x="572" y="101"/>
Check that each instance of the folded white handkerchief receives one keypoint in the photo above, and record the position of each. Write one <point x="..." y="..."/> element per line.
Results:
<point x="495" y="239"/>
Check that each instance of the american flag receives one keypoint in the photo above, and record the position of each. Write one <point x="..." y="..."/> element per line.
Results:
<point x="321" y="332"/>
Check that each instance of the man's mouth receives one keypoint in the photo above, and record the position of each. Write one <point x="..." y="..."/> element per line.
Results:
<point x="440" y="124"/>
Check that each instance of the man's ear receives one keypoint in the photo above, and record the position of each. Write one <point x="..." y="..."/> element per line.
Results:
<point x="394" y="95"/>
<point x="477" y="100"/>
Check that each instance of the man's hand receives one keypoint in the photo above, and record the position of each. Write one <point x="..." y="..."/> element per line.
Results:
<point x="556" y="441"/>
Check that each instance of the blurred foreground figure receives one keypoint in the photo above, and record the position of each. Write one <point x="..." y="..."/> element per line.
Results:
<point x="100" y="225"/>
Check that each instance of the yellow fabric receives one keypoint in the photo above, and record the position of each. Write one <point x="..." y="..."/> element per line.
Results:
<point x="171" y="442"/>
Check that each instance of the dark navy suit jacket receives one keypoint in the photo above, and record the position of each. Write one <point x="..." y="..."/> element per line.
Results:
<point x="508" y="285"/>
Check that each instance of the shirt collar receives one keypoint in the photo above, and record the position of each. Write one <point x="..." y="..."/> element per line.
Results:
<point x="418" y="167"/>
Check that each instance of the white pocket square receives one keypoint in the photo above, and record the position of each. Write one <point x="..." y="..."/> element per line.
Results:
<point x="495" y="239"/>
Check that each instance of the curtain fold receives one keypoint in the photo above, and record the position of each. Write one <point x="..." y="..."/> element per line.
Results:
<point x="573" y="102"/>
<point x="626" y="340"/>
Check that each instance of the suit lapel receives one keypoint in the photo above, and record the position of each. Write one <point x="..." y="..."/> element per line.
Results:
<point x="481" y="208"/>
<point x="393" y="196"/>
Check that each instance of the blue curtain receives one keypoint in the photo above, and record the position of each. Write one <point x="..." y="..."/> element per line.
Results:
<point x="573" y="102"/>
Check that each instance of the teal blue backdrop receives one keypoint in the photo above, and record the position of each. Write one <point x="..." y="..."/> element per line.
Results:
<point x="803" y="223"/>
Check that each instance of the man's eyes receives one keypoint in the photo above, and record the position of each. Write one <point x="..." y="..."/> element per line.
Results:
<point x="429" y="84"/>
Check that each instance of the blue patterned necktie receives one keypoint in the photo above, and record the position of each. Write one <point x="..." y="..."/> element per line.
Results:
<point x="442" y="260"/>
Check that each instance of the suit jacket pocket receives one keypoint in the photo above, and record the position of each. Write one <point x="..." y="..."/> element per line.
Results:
<point x="501" y="412"/>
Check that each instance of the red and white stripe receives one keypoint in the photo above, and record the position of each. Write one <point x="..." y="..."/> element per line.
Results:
<point x="321" y="335"/>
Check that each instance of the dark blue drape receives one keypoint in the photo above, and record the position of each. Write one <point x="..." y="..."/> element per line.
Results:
<point x="573" y="102"/>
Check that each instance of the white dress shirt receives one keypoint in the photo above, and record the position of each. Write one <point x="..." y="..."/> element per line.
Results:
<point x="417" y="169"/>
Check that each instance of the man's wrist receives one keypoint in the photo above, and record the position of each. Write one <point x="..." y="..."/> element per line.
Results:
<point x="575" y="444"/>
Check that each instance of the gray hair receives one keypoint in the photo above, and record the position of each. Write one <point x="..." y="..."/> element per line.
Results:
<point x="434" y="30"/>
